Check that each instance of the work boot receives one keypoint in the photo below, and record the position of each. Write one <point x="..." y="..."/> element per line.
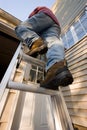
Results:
<point x="57" y="75"/>
<point x="38" y="47"/>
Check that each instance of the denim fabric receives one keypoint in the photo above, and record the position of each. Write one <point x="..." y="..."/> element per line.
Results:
<point x="41" y="25"/>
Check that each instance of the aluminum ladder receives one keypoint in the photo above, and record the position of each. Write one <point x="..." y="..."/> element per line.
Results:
<point x="60" y="112"/>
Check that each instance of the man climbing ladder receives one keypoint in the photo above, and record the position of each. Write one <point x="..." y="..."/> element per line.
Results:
<point x="41" y="33"/>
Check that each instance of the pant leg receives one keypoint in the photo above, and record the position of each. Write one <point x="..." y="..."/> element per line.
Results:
<point x="55" y="51"/>
<point x="30" y="30"/>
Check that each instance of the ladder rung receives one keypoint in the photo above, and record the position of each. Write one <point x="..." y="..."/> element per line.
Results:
<point x="33" y="60"/>
<point x="31" y="87"/>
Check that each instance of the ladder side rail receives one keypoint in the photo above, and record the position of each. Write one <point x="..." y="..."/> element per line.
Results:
<point x="6" y="92"/>
<point x="11" y="103"/>
<point x="64" y="121"/>
<point x="68" y="119"/>
<point x="60" y="111"/>
<point x="8" y="72"/>
<point x="56" y="112"/>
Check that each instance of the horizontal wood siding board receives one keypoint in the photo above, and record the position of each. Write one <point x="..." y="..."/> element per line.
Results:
<point x="79" y="105"/>
<point x="74" y="86"/>
<point x="79" y="69"/>
<point x="79" y="121"/>
<point x="77" y="60"/>
<point x="77" y="51"/>
<point x="78" y="113"/>
<point x="76" y="66"/>
<point x="77" y="98"/>
<point x="78" y="91"/>
<point x="79" y="74"/>
<point x="80" y="79"/>
<point x="80" y="109"/>
<point x="77" y="55"/>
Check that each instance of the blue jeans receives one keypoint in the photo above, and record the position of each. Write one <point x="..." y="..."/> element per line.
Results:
<point x="41" y="25"/>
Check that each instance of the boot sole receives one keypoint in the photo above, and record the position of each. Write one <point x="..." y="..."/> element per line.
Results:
<point x="63" y="79"/>
<point x="41" y="50"/>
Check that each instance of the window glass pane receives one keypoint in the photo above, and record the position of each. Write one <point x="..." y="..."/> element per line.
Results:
<point x="64" y="40"/>
<point x="70" y="39"/>
<point x="79" y="30"/>
<point x="83" y="20"/>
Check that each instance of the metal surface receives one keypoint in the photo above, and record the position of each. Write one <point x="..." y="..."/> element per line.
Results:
<point x="30" y="87"/>
<point x="32" y="60"/>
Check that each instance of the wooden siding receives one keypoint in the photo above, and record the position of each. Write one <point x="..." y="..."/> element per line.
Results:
<point x="67" y="10"/>
<point x="75" y="95"/>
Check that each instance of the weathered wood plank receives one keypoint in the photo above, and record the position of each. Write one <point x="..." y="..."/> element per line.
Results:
<point x="79" y="121"/>
<point x="75" y="86"/>
<point x="77" y="98"/>
<point x="78" y="91"/>
<point x="77" y="53"/>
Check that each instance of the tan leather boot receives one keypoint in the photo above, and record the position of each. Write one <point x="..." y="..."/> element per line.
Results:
<point x="37" y="47"/>
<point x="57" y="75"/>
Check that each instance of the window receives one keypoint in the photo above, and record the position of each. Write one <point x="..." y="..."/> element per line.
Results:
<point x="83" y="20"/>
<point x="79" y="30"/>
<point x="70" y="39"/>
<point x="64" y="40"/>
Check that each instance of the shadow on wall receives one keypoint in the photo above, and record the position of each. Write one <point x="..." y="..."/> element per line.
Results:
<point x="75" y="95"/>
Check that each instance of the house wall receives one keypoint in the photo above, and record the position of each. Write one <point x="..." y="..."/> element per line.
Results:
<point x="75" y="95"/>
<point x="67" y="10"/>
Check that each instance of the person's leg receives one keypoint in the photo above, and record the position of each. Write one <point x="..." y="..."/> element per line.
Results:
<point x="57" y="71"/>
<point x="55" y="46"/>
<point x="29" y="31"/>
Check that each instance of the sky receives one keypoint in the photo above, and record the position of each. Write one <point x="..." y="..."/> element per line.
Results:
<point x="22" y="8"/>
